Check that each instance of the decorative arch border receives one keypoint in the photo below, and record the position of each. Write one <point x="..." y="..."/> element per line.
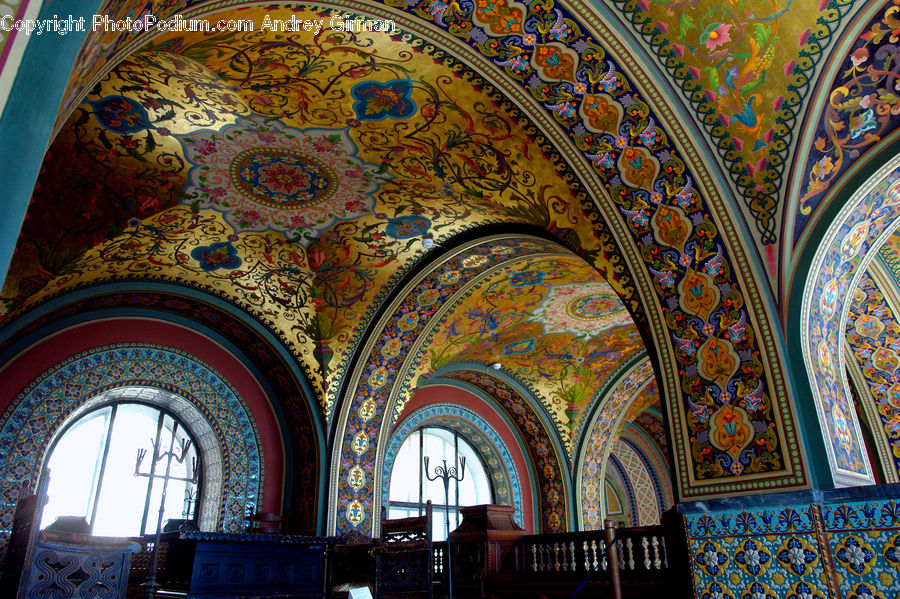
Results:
<point x="633" y="440"/>
<point x="617" y="474"/>
<point x="497" y="448"/>
<point x="646" y="447"/>
<point x="548" y="454"/>
<point x="590" y="469"/>
<point x="865" y="221"/>
<point x="873" y="330"/>
<point x="42" y="407"/>
<point x="399" y="394"/>
<point x="250" y="341"/>
<point x="640" y="481"/>
<point x="368" y="411"/>
<point x="207" y="443"/>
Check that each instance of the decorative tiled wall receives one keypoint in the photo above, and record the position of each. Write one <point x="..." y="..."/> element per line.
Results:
<point x="29" y="424"/>
<point x="864" y="539"/>
<point x="798" y="549"/>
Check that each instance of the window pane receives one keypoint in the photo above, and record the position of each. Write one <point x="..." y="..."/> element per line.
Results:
<point x="122" y="494"/>
<point x="405" y="472"/>
<point x="475" y="488"/>
<point x="177" y="470"/>
<point x="122" y="501"/>
<point x="74" y="467"/>
<point x="438" y="446"/>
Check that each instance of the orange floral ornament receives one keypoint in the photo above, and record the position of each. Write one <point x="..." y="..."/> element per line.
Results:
<point x="717" y="360"/>
<point x="601" y="113"/>
<point x="671" y="226"/>
<point x="498" y="17"/>
<point x="699" y="294"/>
<point x="730" y="430"/>
<point x="638" y="167"/>
<point x="555" y="62"/>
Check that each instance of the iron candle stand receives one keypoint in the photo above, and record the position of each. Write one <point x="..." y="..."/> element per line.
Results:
<point x="446" y="474"/>
<point x="151" y="585"/>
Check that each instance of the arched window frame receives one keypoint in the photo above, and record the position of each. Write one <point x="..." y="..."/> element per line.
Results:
<point x="453" y="501"/>
<point x="154" y="475"/>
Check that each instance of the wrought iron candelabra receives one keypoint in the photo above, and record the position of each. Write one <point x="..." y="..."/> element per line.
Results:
<point x="446" y="475"/>
<point x="151" y="586"/>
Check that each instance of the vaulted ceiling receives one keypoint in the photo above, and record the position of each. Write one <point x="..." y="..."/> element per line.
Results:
<point x="307" y="178"/>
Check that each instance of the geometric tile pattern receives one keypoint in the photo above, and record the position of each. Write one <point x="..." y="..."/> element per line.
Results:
<point x="865" y="541"/>
<point x="617" y="481"/>
<point x="802" y="550"/>
<point x="766" y="553"/>
<point x="38" y="412"/>
<point x="656" y="462"/>
<point x="644" y="491"/>
<point x="600" y="437"/>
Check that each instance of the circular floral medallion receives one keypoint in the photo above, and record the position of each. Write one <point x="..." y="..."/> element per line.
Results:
<point x="282" y="178"/>
<point x="262" y="175"/>
<point x="583" y="310"/>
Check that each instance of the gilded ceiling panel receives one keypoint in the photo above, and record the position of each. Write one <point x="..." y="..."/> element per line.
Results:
<point x="548" y="320"/>
<point x="745" y="68"/>
<point x="298" y="177"/>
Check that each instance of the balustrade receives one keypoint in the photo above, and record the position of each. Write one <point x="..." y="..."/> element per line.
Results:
<point x="613" y="562"/>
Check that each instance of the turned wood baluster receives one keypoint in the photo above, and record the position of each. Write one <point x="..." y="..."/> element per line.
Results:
<point x="609" y="531"/>
<point x="657" y="563"/>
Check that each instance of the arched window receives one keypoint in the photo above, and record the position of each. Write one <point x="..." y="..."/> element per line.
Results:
<point x="410" y="488"/>
<point x="102" y="467"/>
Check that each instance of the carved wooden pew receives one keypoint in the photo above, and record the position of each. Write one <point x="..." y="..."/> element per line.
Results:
<point x="404" y="559"/>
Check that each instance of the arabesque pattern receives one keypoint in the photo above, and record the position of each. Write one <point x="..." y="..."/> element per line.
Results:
<point x="840" y="256"/>
<point x="873" y="335"/>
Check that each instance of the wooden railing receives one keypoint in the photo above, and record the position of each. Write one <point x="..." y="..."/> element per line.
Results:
<point x="615" y="559"/>
<point x="439" y="562"/>
<point x="565" y="554"/>
<point x="613" y="562"/>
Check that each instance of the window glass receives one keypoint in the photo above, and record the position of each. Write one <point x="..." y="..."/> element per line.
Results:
<point x="75" y="464"/>
<point x="103" y="469"/>
<point x="410" y="487"/>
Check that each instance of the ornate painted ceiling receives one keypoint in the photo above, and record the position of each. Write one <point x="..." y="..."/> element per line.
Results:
<point x="549" y="323"/>
<point x="300" y="181"/>
<point x="305" y="178"/>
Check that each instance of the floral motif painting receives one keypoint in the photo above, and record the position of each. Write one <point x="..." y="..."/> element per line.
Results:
<point x="263" y="175"/>
<point x="562" y="336"/>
